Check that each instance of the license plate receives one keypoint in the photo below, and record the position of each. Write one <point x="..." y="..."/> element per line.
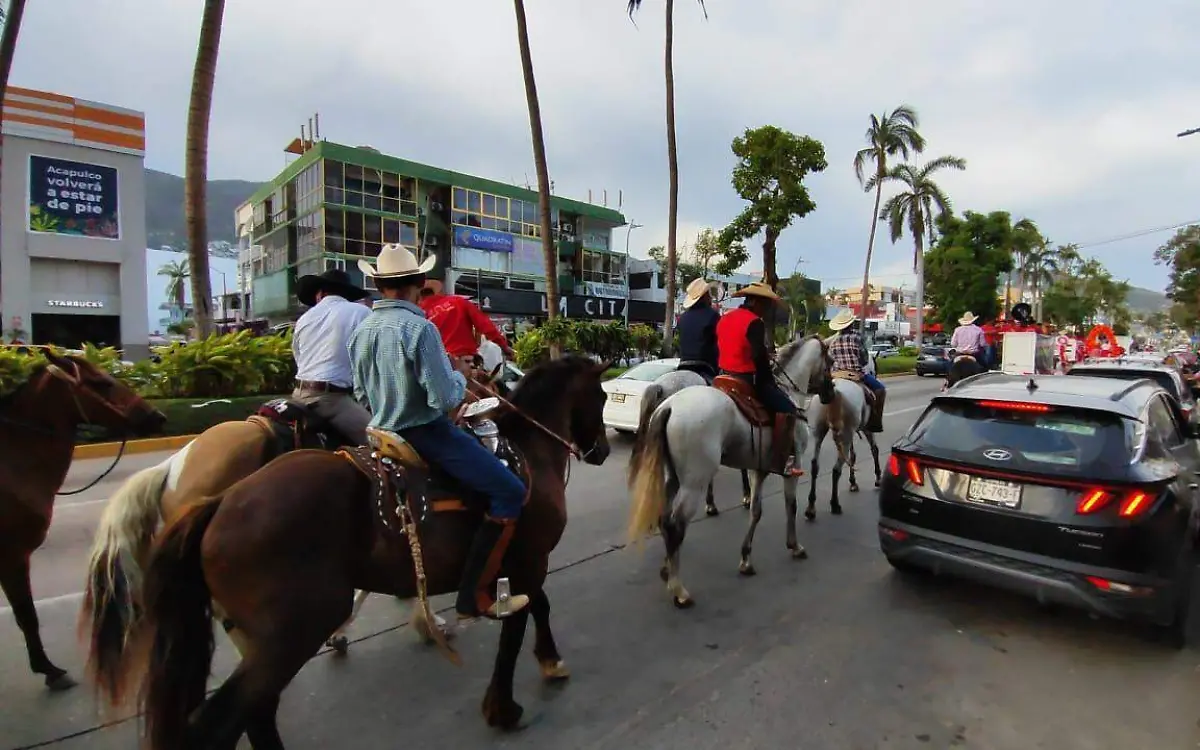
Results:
<point x="994" y="492"/>
<point x="617" y="398"/>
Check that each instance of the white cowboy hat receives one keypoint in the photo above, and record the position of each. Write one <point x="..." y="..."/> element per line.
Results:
<point x="394" y="262"/>
<point x="695" y="290"/>
<point x="757" y="289"/>
<point x="968" y="318"/>
<point x="842" y="320"/>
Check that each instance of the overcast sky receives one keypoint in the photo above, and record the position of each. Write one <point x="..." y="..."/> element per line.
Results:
<point x="1065" y="111"/>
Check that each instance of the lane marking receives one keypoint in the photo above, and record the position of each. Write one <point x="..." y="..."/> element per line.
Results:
<point x="49" y="600"/>
<point x="904" y="411"/>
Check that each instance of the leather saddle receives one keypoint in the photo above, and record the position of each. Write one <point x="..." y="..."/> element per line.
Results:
<point x="855" y="377"/>
<point x="747" y="402"/>
<point x="964" y="358"/>
<point x="293" y="426"/>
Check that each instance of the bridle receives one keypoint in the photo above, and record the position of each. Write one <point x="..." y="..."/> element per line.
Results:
<point x="781" y="372"/>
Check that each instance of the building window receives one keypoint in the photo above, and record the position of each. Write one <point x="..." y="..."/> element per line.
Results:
<point x="481" y="260"/>
<point x="473" y="208"/>
<point x="371" y="189"/>
<point x="355" y="233"/>
<point x="604" y="268"/>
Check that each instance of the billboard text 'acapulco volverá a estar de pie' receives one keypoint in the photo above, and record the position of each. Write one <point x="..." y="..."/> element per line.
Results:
<point x="73" y="198"/>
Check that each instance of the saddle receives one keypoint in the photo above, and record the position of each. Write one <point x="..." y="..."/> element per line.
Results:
<point x="294" y="426"/>
<point x="855" y="377"/>
<point x="781" y="425"/>
<point x="703" y="369"/>
<point x="964" y="358"/>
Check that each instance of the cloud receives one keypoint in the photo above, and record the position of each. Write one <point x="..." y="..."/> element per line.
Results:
<point x="1065" y="112"/>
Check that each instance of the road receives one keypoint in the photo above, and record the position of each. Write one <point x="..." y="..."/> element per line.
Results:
<point x="833" y="652"/>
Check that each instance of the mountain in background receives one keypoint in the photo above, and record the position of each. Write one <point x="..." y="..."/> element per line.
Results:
<point x="1146" y="300"/>
<point x="164" y="209"/>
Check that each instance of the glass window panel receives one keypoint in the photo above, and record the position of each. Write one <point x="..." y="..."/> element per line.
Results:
<point x="527" y="257"/>
<point x="333" y="173"/>
<point x="391" y="184"/>
<point x="487" y="222"/>
<point x="372" y="181"/>
<point x="354" y="226"/>
<point x="372" y="249"/>
<point x="391" y="231"/>
<point x="335" y="221"/>
<point x="391" y="205"/>
<point x="408" y="234"/>
<point x="354" y="199"/>
<point x="460" y="199"/>
<point x="501" y="208"/>
<point x="372" y="229"/>
<point x="458" y="217"/>
<point x="335" y="244"/>
<point x="335" y="195"/>
<point x="354" y="247"/>
<point x="373" y="202"/>
<point x="474" y="201"/>
<point x="489" y="204"/>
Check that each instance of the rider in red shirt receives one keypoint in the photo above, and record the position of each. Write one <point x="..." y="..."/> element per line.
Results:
<point x="460" y="321"/>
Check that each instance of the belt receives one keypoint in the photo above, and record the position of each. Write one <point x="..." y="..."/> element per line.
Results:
<point x="748" y="377"/>
<point x="321" y="386"/>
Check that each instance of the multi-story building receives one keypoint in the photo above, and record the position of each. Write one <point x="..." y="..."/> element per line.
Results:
<point x="335" y="204"/>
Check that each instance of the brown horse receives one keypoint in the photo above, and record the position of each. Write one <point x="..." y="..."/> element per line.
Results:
<point x="37" y="436"/>
<point x="217" y="459"/>
<point x="283" y="551"/>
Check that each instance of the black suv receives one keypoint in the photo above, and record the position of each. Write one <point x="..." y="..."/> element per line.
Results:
<point x="1132" y="368"/>
<point x="1079" y="491"/>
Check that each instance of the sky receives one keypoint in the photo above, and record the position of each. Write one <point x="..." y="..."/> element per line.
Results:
<point x="1066" y="112"/>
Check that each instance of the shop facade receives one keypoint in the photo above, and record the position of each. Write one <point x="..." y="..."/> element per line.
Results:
<point x="73" y="228"/>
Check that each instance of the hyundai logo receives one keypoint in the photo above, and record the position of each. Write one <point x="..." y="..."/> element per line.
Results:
<point x="997" y="454"/>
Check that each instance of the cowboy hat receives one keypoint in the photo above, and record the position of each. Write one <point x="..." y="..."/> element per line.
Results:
<point x="695" y="290"/>
<point x="757" y="289"/>
<point x="396" y="262"/>
<point x="333" y="281"/>
<point x="968" y="318"/>
<point x="842" y="320"/>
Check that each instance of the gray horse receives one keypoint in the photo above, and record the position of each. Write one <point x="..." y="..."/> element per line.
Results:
<point x="696" y="431"/>
<point x="845" y="415"/>
<point x="658" y="391"/>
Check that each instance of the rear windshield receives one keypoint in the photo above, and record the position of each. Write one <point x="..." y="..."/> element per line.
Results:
<point x="1060" y="441"/>
<point x="1163" y="379"/>
<point x="933" y="351"/>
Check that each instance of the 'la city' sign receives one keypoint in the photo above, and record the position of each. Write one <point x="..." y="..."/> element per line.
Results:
<point x="91" y="304"/>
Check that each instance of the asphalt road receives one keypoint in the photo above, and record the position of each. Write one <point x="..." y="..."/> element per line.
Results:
<point x="835" y="651"/>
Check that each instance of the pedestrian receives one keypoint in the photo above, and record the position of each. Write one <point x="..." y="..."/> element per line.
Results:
<point x="324" y="381"/>
<point x="460" y="322"/>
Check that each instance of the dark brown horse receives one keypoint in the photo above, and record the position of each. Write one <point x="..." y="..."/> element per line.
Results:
<point x="37" y="437"/>
<point x="282" y="552"/>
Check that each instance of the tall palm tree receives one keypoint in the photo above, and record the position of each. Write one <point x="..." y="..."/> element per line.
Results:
<point x="196" y="170"/>
<point x="177" y="273"/>
<point x="914" y="209"/>
<point x="8" y="46"/>
<point x="549" y="244"/>
<point x="672" y="165"/>
<point x="1026" y="237"/>
<point x="890" y="134"/>
<point x="1039" y="266"/>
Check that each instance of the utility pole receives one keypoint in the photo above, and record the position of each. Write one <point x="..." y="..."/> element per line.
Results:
<point x="1186" y="133"/>
<point x="628" y="234"/>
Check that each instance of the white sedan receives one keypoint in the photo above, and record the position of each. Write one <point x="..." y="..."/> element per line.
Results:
<point x="624" y="404"/>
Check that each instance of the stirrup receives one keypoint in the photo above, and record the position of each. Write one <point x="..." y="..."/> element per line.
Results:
<point x="505" y="605"/>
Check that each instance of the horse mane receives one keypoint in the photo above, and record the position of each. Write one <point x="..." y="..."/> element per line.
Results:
<point x="538" y="394"/>
<point x="788" y="351"/>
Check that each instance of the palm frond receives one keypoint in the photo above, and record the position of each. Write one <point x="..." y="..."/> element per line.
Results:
<point x="940" y="163"/>
<point x="861" y="159"/>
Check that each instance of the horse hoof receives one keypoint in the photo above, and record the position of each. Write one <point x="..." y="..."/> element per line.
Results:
<point x="747" y="569"/>
<point x="835" y="509"/>
<point x="799" y="553"/>
<point x="60" y="682"/>
<point x="854" y="487"/>
<point x="712" y="511"/>
<point x="500" y="714"/>
<point x="684" y="603"/>
<point x="554" y="671"/>
<point x="340" y="644"/>
<point x="810" y="514"/>
<point x="878" y="482"/>
<point x="745" y="502"/>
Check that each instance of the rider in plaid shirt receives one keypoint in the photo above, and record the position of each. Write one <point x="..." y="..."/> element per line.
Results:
<point x="849" y="354"/>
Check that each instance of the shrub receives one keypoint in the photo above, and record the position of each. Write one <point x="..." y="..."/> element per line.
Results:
<point x="17" y="365"/>
<point x="909" y="351"/>
<point x="895" y="365"/>
<point x="231" y="364"/>
<point x="531" y="349"/>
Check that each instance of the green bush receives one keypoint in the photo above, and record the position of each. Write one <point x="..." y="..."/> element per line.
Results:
<point x="909" y="351"/>
<point x="896" y="365"/>
<point x="17" y="366"/>
<point x="231" y="364"/>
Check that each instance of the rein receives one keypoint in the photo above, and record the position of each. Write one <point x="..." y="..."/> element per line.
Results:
<point x="571" y="448"/>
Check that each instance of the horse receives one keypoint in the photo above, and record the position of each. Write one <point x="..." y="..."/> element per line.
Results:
<point x="963" y="366"/>
<point x="283" y="551"/>
<point x="218" y="458"/>
<point x="844" y="416"/>
<point x="657" y="392"/>
<point x="696" y="431"/>
<point x="38" y="422"/>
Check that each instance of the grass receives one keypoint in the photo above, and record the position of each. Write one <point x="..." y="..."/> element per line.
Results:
<point x="896" y="365"/>
<point x="613" y="372"/>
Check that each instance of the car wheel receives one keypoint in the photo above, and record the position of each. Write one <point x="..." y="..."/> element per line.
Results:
<point x="1184" y="630"/>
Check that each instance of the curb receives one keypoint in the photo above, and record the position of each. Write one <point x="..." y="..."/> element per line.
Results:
<point x="149" y="445"/>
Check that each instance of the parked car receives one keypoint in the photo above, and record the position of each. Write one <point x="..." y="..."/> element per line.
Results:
<point x="1078" y="491"/>
<point x="933" y="360"/>
<point x="882" y="351"/>
<point x="624" y="403"/>
<point x="1131" y="368"/>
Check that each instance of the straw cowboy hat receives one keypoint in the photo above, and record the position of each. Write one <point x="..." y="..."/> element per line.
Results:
<point x="968" y="318"/>
<point x="758" y="289"/>
<point x="396" y="262"/>
<point x="842" y="320"/>
<point x="333" y="281"/>
<point x="695" y="290"/>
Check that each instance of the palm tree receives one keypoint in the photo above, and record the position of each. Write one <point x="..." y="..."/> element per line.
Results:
<point x="914" y="208"/>
<point x="549" y="244"/>
<point x="177" y="272"/>
<point x="196" y="175"/>
<point x="672" y="165"/>
<point x="8" y="46"/>
<point x="1039" y="268"/>
<point x="889" y="135"/>
<point x="1026" y="237"/>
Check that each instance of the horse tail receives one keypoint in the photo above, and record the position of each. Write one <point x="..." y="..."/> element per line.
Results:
<point x="649" y="484"/>
<point x="651" y="398"/>
<point x="178" y="625"/>
<point x="122" y="541"/>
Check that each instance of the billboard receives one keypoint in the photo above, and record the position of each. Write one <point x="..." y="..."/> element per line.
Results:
<point x="73" y="198"/>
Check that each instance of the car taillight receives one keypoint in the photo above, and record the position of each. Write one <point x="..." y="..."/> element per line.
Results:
<point x="899" y="466"/>
<point x="1016" y="406"/>
<point x="1133" y="503"/>
<point x="893" y="465"/>
<point x="1092" y="501"/>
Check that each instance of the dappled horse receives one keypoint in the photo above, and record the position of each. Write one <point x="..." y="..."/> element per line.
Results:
<point x="657" y="392"/>
<point x="212" y="463"/>
<point x="845" y="416"/>
<point x="696" y="431"/>
<point x="283" y="551"/>
<point x="38" y="422"/>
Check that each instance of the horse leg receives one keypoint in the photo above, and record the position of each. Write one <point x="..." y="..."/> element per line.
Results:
<point x="262" y="730"/>
<point x="875" y="457"/>
<point x="339" y="642"/>
<point x="550" y="662"/>
<point x="745" y="567"/>
<point x="810" y="513"/>
<point x="14" y="580"/>
<point x="499" y="708"/>
<point x="674" y="529"/>
<point x="789" y="499"/>
<point x="710" y="504"/>
<point x="835" y="507"/>
<point x="745" y="489"/>
<point x="853" y="461"/>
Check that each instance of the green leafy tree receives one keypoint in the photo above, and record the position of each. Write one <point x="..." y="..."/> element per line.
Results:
<point x="684" y="268"/>
<point x="1181" y="254"/>
<point x="963" y="268"/>
<point x="177" y="273"/>
<point x="804" y="300"/>
<point x="769" y="175"/>
<point x="889" y="135"/>
<point x="1085" y="291"/>
<point x="1026" y="237"/>
<point x="916" y="208"/>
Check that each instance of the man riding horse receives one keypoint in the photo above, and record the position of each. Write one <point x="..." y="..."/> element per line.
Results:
<point x="698" y="331"/>
<point x="402" y="369"/>
<point x="969" y="340"/>
<point x="850" y="360"/>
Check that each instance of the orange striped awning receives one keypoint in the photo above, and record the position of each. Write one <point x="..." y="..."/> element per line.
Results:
<point x="64" y="119"/>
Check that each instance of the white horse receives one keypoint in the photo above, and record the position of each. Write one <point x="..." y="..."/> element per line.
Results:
<point x="844" y="416"/>
<point x="696" y="431"/>
<point x="664" y="387"/>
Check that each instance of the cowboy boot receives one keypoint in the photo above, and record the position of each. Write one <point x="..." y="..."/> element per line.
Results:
<point x="481" y="570"/>
<point x="875" y="422"/>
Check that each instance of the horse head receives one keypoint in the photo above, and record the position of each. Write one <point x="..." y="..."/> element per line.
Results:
<point x="805" y="367"/>
<point x="95" y="397"/>
<point x="565" y="395"/>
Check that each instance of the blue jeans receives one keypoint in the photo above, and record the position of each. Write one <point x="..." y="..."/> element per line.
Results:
<point x="873" y="382"/>
<point x="469" y="464"/>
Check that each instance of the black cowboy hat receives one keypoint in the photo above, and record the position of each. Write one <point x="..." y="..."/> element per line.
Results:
<point x="333" y="281"/>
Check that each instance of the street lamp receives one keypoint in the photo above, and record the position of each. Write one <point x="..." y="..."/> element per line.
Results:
<point x="628" y="234"/>
<point x="1186" y="133"/>
<point x="224" y="292"/>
